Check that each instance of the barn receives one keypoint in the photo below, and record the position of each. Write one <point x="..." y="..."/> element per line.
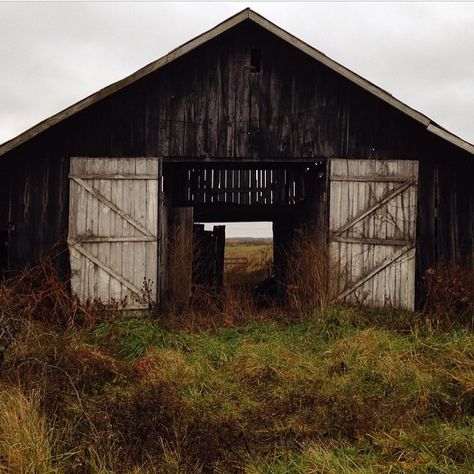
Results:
<point x="243" y="123"/>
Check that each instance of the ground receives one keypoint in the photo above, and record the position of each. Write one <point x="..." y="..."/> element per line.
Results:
<point x="334" y="390"/>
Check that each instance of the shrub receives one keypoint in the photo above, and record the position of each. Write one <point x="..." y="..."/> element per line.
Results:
<point x="449" y="294"/>
<point x="39" y="294"/>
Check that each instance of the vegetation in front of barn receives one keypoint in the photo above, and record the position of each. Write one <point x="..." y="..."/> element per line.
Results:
<point x="88" y="389"/>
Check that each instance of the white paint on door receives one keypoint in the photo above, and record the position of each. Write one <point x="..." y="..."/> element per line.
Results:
<point x="113" y="229"/>
<point x="372" y="225"/>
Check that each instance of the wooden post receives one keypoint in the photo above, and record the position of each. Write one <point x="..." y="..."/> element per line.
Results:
<point x="180" y="257"/>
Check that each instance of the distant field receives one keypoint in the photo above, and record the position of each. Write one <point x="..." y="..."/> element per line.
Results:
<point x="246" y="248"/>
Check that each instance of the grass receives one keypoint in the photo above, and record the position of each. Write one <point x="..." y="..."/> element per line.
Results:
<point x="25" y="439"/>
<point x="335" y="390"/>
<point x="243" y="249"/>
<point x="429" y="448"/>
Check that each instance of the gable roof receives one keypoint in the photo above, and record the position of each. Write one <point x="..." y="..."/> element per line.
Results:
<point x="246" y="14"/>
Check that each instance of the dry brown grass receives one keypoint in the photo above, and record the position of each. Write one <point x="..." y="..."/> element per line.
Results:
<point x="25" y="439"/>
<point x="311" y="278"/>
<point x="449" y="294"/>
<point x="231" y="306"/>
<point x="39" y="294"/>
<point x="210" y="307"/>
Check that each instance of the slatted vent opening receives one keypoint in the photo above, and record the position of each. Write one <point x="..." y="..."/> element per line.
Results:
<point x="259" y="185"/>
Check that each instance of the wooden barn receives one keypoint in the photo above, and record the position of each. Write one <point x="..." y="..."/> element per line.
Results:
<point x="243" y="123"/>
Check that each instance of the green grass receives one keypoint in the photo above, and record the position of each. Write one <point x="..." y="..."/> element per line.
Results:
<point x="430" y="448"/>
<point x="344" y="391"/>
<point x="247" y="249"/>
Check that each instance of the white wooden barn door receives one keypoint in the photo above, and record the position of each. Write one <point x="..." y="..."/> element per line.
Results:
<point x="113" y="229"/>
<point x="372" y="224"/>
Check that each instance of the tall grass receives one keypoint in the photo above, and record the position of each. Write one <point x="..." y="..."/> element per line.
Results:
<point x="436" y="447"/>
<point x="26" y="443"/>
<point x="311" y="277"/>
<point x="340" y="391"/>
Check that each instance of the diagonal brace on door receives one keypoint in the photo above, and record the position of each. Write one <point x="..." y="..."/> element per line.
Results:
<point x="100" y="197"/>
<point x="112" y="273"/>
<point x="400" y="253"/>
<point x="386" y="198"/>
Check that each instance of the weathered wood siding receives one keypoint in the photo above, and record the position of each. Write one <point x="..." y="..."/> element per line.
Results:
<point x="213" y="103"/>
<point x="372" y="224"/>
<point x="113" y="229"/>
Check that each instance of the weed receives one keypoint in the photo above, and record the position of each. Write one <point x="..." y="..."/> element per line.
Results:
<point x="449" y="295"/>
<point x="308" y="282"/>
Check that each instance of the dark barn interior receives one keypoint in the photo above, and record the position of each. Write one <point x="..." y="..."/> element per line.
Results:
<point x="244" y="119"/>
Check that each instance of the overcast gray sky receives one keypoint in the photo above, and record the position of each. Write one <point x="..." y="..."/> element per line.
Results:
<point x="54" y="54"/>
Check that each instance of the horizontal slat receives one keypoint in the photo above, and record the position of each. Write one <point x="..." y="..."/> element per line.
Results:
<point x="371" y="179"/>
<point x="231" y="163"/>
<point x="112" y="177"/>
<point x="87" y="239"/>
<point x="364" y="240"/>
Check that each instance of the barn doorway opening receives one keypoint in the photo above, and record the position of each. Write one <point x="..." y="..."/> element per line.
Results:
<point x="206" y="199"/>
